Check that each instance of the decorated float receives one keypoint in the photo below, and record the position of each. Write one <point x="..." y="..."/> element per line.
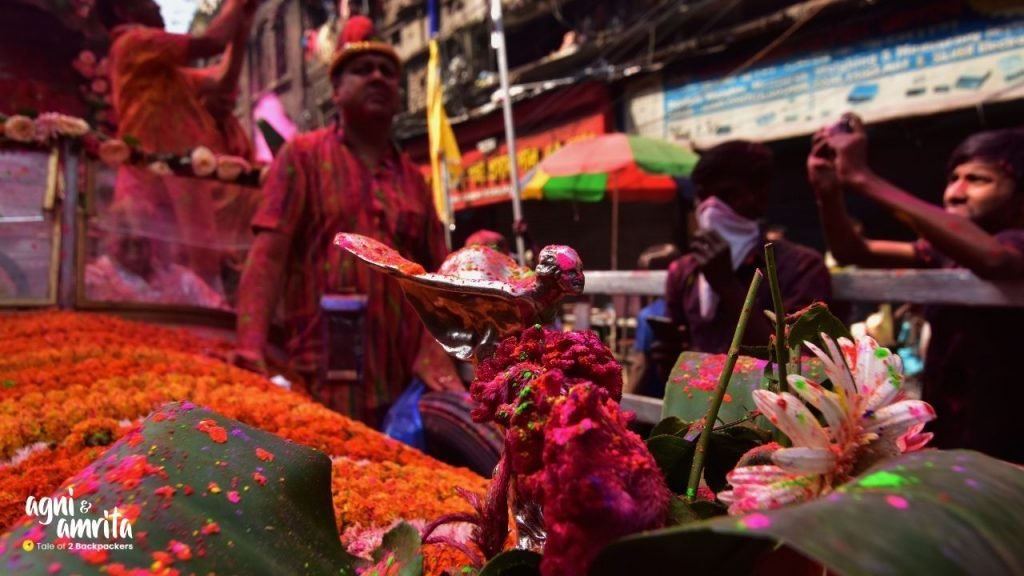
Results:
<point x="127" y="447"/>
<point x="135" y="449"/>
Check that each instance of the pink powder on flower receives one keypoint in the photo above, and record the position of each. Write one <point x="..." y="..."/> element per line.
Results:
<point x="898" y="502"/>
<point x="756" y="522"/>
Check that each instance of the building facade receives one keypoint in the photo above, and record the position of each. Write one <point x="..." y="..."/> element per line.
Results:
<point x="282" y="60"/>
<point x="691" y="71"/>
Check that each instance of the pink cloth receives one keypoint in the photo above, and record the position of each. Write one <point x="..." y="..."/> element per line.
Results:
<point x="105" y="281"/>
<point x="270" y="109"/>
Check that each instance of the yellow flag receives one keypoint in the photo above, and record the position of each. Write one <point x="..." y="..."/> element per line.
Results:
<point x="443" y="146"/>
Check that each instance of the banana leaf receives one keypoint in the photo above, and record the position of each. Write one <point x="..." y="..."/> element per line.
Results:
<point x="202" y="494"/>
<point x="932" y="512"/>
<point x="691" y="386"/>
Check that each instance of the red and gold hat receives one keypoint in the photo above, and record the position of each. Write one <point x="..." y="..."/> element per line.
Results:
<point x="359" y="37"/>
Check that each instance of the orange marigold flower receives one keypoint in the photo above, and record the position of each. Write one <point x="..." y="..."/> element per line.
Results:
<point x="165" y="491"/>
<point x="95" y="556"/>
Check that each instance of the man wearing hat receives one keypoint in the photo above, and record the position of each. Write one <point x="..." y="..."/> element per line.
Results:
<point x="348" y="177"/>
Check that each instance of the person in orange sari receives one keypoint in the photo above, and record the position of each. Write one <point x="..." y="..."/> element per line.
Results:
<point x="159" y="102"/>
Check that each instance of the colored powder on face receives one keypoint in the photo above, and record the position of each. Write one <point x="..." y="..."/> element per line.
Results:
<point x="882" y="479"/>
<point x="898" y="502"/>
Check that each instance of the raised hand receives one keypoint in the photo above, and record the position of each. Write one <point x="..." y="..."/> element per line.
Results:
<point x="821" y="168"/>
<point x="847" y="145"/>
<point x="714" y="258"/>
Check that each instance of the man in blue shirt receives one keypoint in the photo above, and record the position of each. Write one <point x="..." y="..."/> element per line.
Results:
<point x="646" y="375"/>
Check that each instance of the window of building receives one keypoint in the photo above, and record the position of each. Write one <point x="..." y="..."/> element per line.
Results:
<point x="280" y="43"/>
<point x="257" y="61"/>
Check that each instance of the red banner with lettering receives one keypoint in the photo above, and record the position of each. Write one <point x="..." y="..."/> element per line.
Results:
<point x="485" y="179"/>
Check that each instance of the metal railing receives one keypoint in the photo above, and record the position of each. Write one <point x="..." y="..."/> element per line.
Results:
<point x="956" y="287"/>
<point x="905" y="285"/>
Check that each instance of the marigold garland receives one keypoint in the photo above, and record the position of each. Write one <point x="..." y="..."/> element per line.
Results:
<point x="391" y="492"/>
<point x="71" y="380"/>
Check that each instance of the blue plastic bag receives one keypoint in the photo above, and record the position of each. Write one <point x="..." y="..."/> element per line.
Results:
<point x="403" y="421"/>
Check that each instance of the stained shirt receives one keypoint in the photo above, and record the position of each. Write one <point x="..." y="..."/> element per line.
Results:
<point x="650" y="382"/>
<point x="644" y="333"/>
<point x="971" y="377"/>
<point x="803" y="280"/>
<point x="105" y="281"/>
<point x="317" y="187"/>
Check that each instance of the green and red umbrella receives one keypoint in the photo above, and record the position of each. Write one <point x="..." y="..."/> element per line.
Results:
<point x="629" y="168"/>
<point x="632" y="168"/>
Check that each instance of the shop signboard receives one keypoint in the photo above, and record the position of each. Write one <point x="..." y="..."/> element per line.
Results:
<point x="645" y="107"/>
<point x="957" y="64"/>
<point x="485" y="178"/>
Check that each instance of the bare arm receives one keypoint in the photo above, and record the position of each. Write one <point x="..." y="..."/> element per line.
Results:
<point x="955" y="236"/>
<point x="259" y="291"/>
<point x="222" y="30"/>
<point x="846" y="244"/>
<point x="222" y="77"/>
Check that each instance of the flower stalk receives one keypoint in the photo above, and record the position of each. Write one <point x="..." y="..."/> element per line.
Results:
<point x="723" y="384"/>
<point x="781" y="349"/>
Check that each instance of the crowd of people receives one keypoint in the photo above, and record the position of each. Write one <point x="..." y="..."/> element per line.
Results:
<point x="969" y="374"/>
<point x="350" y="177"/>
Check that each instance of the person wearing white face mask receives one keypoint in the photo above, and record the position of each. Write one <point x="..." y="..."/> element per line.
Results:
<point x="706" y="287"/>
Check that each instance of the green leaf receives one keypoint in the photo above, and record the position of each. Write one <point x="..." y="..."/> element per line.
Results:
<point x="400" y="551"/>
<point x="691" y="386"/>
<point x="671" y="426"/>
<point x="513" y="563"/>
<point x="759" y="352"/>
<point x="674" y="456"/>
<point x="242" y="500"/>
<point x="131" y="141"/>
<point x="812" y="322"/>
<point x="726" y="448"/>
<point x="683" y="512"/>
<point x="931" y="512"/>
<point x="690" y="545"/>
